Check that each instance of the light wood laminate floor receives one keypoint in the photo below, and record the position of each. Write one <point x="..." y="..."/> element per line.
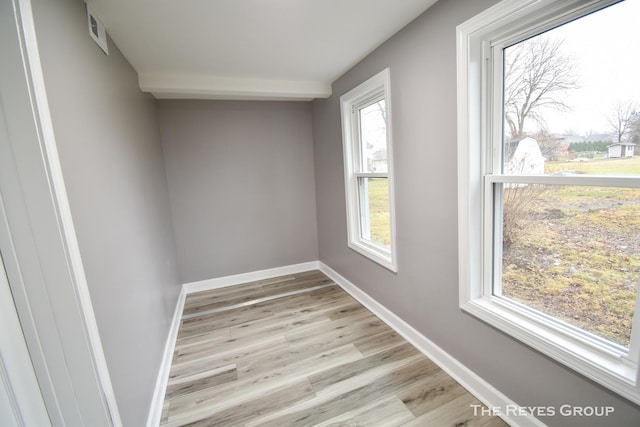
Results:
<point x="299" y="351"/>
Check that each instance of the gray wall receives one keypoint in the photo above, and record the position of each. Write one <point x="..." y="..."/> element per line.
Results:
<point x="241" y="184"/>
<point x="425" y="290"/>
<point x="108" y="141"/>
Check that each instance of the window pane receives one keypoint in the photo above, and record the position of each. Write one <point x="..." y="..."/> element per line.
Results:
<point x="374" y="210"/>
<point x="573" y="252"/>
<point x="373" y="134"/>
<point x="572" y="97"/>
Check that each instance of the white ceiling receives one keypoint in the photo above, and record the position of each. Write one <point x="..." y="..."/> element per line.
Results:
<point x="249" y="49"/>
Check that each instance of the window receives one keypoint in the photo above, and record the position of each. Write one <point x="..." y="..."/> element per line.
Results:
<point x="549" y="201"/>
<point x="366" y="128"/>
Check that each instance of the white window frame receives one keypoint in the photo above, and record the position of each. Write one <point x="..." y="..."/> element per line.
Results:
<point x="480" y="41"/>
<point x="367" y="93"/>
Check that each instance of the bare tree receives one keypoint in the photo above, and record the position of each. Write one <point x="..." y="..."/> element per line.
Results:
<point x="621" y="120"/>
<point x="518" y="203"/>
<point x="634" y="132"/>
<point x="382" y="108"/>
<point x="537" y="74"/>
<point x="550" y="146"/>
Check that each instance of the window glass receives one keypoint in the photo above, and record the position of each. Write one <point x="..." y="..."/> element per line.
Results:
<point x="573" y="252"/>
<point x="572" y="97"/>
<point x="374" y="197"/>
<point x="373" y="133"/>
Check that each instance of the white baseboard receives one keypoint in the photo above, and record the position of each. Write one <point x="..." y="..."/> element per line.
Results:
<point x="481" y="389"/>
<point x="157" y="402"/>
<point x="236" y="279"/>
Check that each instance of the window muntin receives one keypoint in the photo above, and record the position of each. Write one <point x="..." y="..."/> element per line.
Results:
<point x="490" y="172"/>
<point x="368" y="169"/>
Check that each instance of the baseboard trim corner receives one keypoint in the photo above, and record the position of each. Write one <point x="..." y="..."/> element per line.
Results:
<point x="157" y="402"/>
<point x="236" y="279"/>
<point x="477" y="386"/>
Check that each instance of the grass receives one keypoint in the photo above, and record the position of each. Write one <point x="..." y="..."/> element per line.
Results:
<point x="379" y="218"/>
<point x="626" y="166"/>
<point x="582" y="268"/>
<point x="578" y="258"/>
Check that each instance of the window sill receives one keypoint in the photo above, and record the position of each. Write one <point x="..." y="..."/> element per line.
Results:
<point x="597" y="361"/>
<point x="375" y="253"/>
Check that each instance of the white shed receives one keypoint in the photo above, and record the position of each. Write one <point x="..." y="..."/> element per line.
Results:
<point x="620" y="149"/>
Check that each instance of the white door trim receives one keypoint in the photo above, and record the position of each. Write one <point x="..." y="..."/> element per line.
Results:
<point x="38" y="240"/>
<point x="17" y="377"/>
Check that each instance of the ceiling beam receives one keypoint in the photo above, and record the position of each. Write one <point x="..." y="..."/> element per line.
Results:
<point x="165" y="86"/>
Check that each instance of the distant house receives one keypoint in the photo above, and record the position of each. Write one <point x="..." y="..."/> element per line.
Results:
<point x="620" y="149"/>
<point x="564" y="151"/>
<point x="379" y="161"/>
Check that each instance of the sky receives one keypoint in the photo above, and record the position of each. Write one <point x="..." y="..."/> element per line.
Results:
<point x="606" y="48"/>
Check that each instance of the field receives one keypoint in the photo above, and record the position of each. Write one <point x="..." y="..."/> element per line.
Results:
<point x="574" y="252"/>
<point x="379" y="211"/>
<point x="626" y="166"/>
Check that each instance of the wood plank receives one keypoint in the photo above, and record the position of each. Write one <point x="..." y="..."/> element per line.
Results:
<point x="313" y="301"/>
<point x="374" y="391"/>
<point x="228" y="346"/>
<point x="215" y="361"/>
<point x="247" y="408"/>
<point x="259" y="383"/>
<point x="206" y="336"/>
<point x="388" y="412"/>
<point x="233" y="295"/>
<point x="201" y="380"/>
<point x="362" y="371"/>
<point x="457" y="412"/>
<point x="431" y="392"/>
<point x="196" y="296"/>
<point x="212" y="322"/>
<point x="383" y="339"/>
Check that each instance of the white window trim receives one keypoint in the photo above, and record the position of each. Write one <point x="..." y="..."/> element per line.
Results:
<point x="506" y="22"/>
<point x="377" y="87"/>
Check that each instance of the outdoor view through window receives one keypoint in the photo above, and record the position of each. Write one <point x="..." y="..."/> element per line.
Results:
<point x="571" y="108"/>
<point x="374" y="191"/>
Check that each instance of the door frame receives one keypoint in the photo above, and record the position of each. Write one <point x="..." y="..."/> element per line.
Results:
<point x="38" y="241"/>
<point x="24" y="405"/>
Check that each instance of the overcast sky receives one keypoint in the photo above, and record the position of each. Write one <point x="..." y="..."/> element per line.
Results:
<point x="606" y="47"/>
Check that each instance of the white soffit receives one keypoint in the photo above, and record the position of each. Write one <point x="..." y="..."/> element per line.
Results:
<point x="249" y="49"/>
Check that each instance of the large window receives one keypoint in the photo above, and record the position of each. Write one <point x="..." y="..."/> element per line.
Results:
<point x="366" y="127"/>
<point x="549" y="187"/>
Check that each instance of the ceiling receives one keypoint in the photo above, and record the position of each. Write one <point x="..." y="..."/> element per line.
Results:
<point x="249" y="49"/>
